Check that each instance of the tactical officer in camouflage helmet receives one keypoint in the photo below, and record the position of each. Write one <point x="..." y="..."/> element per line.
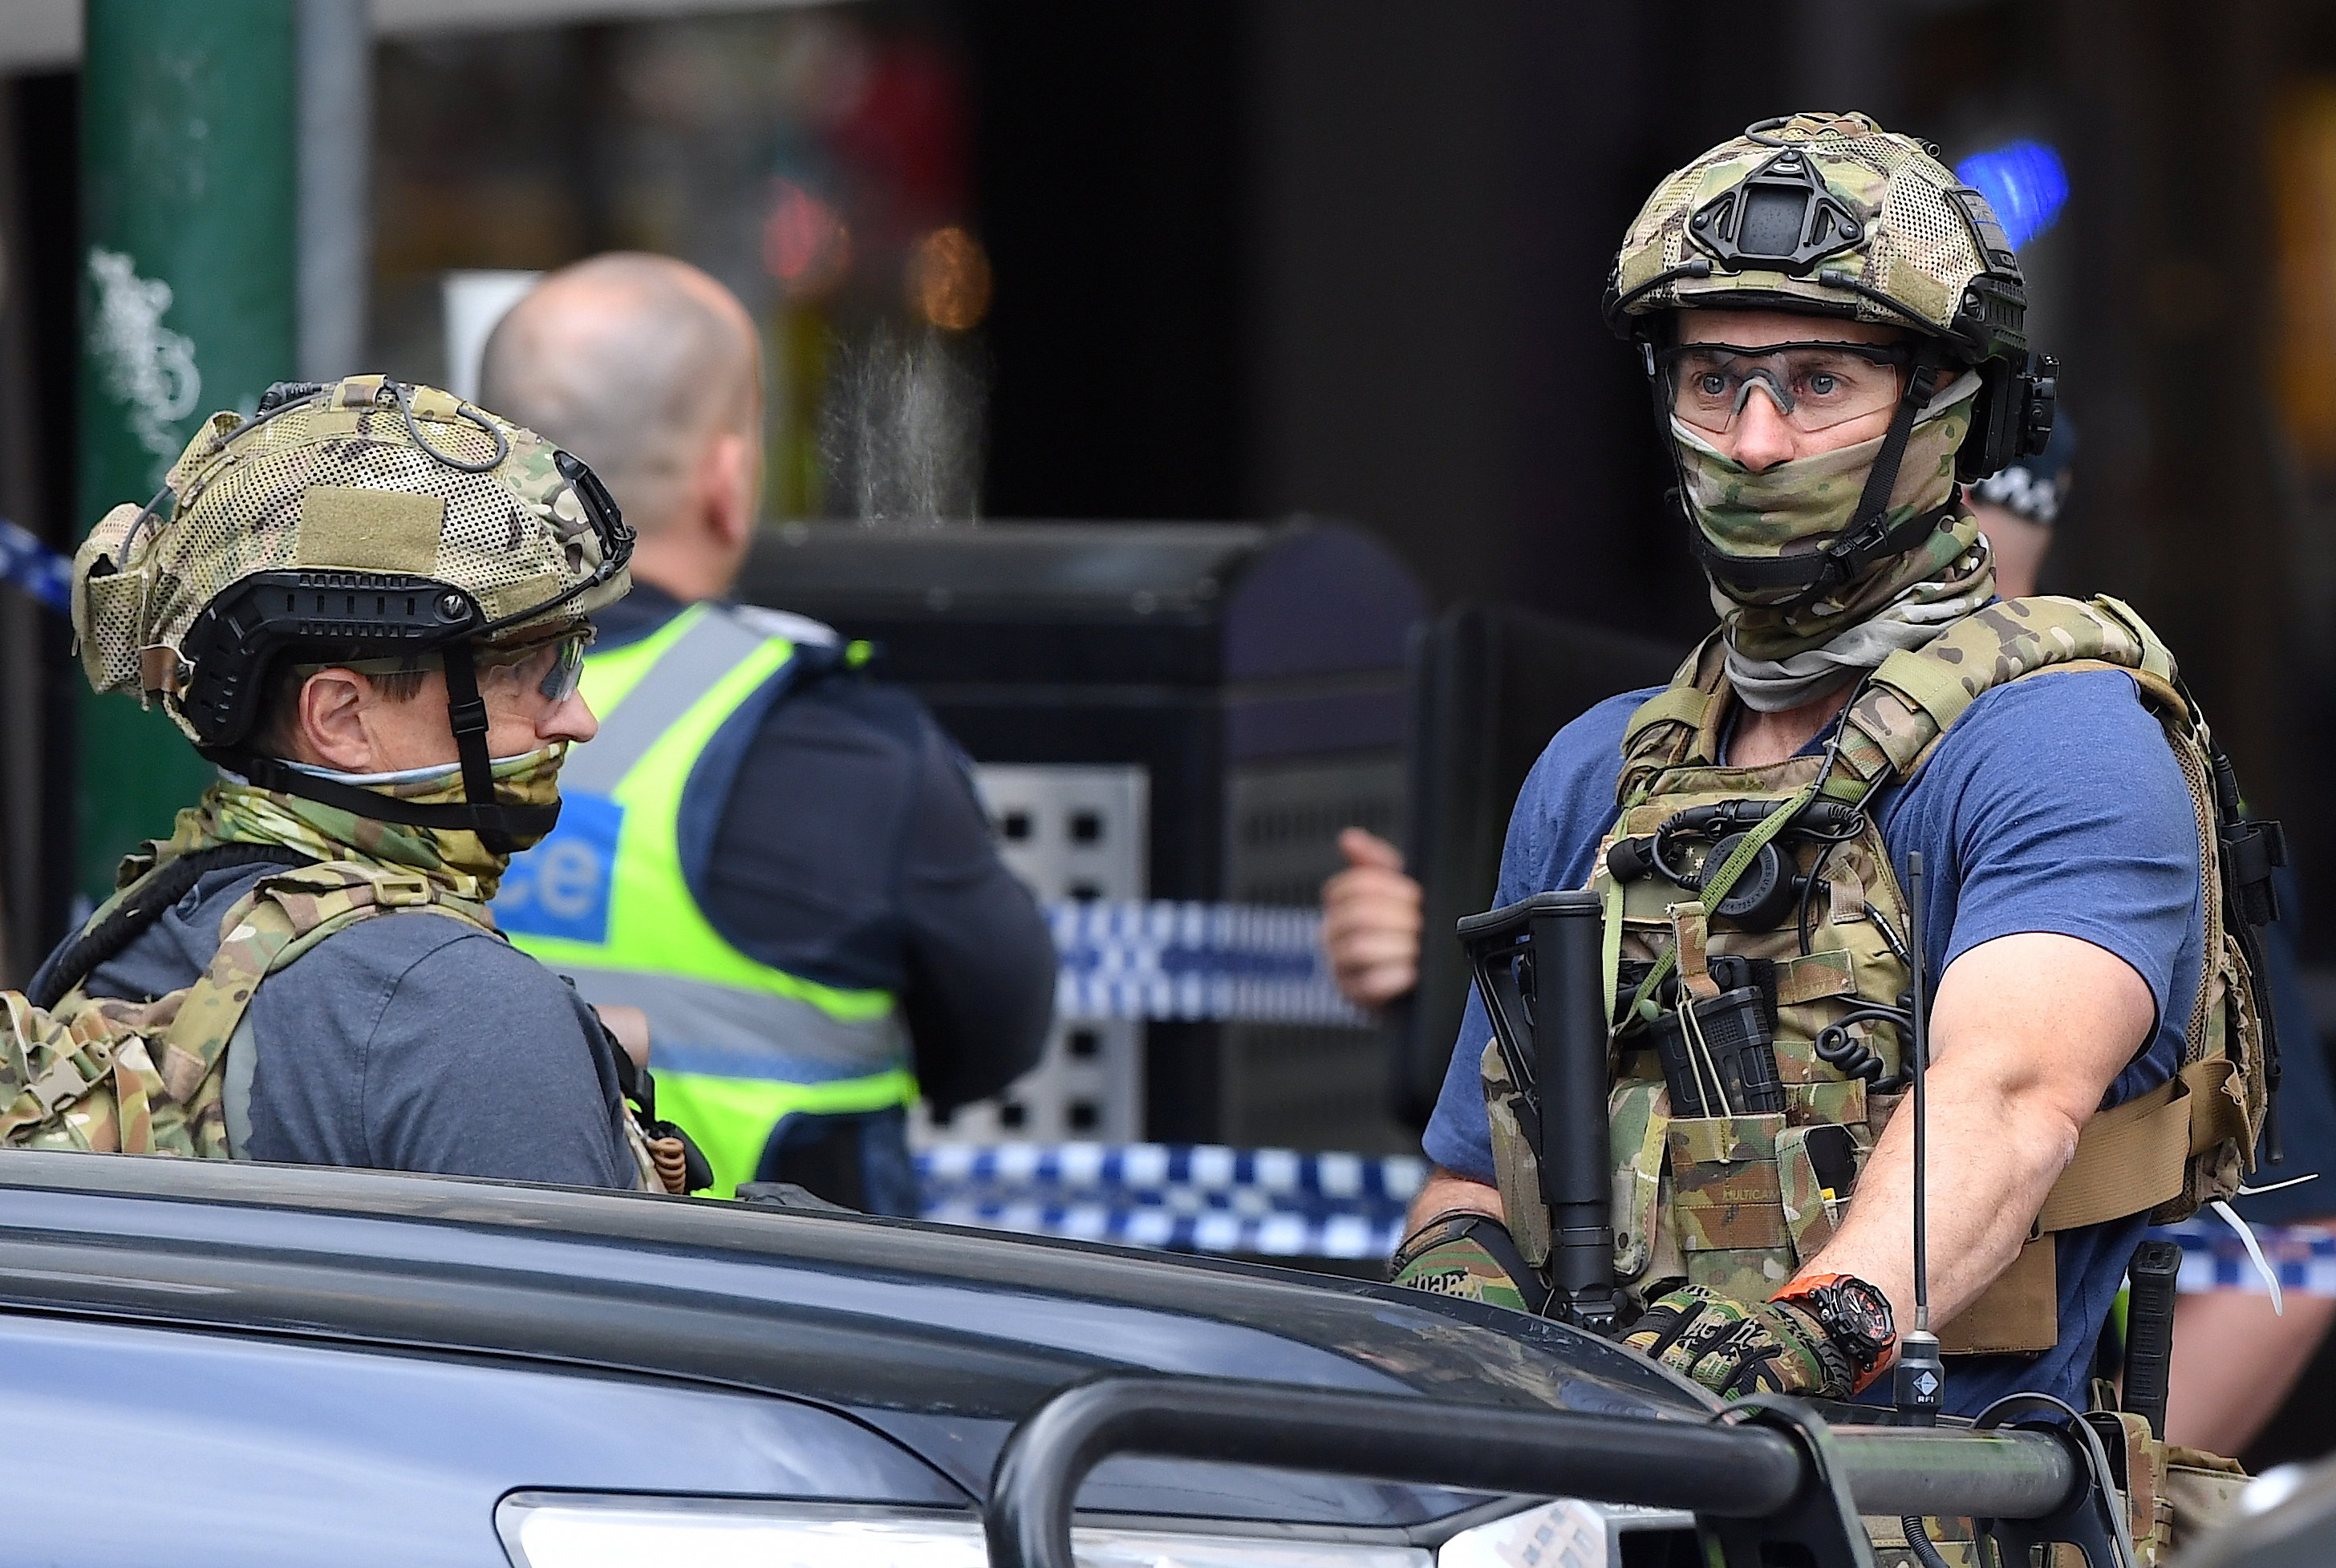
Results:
<point x="1832" y="328"/>
<point x="368" y="605"/>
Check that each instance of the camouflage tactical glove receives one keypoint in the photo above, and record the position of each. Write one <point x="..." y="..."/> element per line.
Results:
<point x="1733" y="1349"/>
<point x="1467" y="1254"/>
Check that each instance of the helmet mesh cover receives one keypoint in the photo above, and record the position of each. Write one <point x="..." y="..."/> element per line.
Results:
<point x="511" y="536"/>
<point x="1918" y="249"/>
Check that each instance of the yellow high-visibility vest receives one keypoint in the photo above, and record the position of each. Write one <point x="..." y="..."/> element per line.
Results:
<point x="738" y="1045"/>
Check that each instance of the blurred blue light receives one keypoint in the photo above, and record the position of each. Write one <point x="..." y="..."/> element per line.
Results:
<point x="2024" y="183"/>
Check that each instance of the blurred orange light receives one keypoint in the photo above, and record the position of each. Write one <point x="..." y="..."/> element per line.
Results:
<point x="805" y="244"/>
<point x="2303" y="147"/>
<point x="948" y="279"/>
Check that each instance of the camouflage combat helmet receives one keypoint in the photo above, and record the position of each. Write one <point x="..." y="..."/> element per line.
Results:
<point x="364" y="519"/>
<point x="1830" y="215"/>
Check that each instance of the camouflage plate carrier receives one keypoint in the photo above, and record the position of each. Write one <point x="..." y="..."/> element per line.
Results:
<point x="108" y="1076"/>
<point x="1739" y="1201"/>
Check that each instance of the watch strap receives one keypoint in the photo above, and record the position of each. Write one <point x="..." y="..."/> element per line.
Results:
<point x="1818" y="1298"/>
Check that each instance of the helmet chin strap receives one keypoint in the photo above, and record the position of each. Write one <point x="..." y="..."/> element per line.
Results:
<point x="499" y="826"/>
<point x="1866" y="539"/>
<point x="466" y="711"/>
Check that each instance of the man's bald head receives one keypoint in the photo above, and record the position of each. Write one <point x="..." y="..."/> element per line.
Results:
<point x="635" y="362"/>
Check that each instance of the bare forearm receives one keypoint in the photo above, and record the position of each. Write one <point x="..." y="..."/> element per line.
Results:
<point x="1994" y="1158"/>
<point x="2026" y="1036"/>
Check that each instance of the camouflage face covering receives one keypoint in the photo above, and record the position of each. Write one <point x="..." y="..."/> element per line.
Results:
<point x="1778" y="659"/>
<point x="232" y="811"/>
<point x="1808" y="501"/>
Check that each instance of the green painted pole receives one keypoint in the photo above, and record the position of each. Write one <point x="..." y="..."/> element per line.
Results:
<point x="188" y="304"/>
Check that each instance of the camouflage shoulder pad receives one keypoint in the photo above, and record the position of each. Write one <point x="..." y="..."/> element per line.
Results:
<point x="311" y="895"/>
<point x="117" y="1076"/>
<point x="2156" y="658"/>
<point x="1917" y="695"/>
<point x="284" y="916"/>
<point x="1676" y="725"/>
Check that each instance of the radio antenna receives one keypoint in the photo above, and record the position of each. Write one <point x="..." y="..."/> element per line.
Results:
<point x="1921" y="1381"/>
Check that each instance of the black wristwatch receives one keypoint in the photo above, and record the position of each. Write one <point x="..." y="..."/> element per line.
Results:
<point x="1855" y="1315"/>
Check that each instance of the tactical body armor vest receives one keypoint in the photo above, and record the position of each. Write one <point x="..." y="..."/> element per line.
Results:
<point x="110" y="1076"/>
<point x="1756" y="948"/>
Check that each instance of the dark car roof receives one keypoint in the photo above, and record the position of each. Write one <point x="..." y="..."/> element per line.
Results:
<point x="890" y="1312"/>
<point x="939" y="1336"/>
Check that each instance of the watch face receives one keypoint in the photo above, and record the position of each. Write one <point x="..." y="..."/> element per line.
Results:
<point x="1864" y="1311"/>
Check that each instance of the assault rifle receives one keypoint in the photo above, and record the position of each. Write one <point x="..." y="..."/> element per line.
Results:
<point x="1537" y="965"/>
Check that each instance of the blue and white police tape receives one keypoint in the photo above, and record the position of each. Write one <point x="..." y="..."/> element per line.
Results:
<point x="35" y="568"/>
<point x="1186" y="1198"/>
<point x="1232" y="962"/>
<point x="2214" y="1258"/>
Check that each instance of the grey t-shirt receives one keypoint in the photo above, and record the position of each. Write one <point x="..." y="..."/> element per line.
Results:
<point x="407" y="1042"/>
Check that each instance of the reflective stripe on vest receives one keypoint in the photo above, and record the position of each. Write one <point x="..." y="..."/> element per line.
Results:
<point x="738" y="1044"/>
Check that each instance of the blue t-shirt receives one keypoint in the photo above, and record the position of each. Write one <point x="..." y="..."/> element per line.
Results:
<point x="2055" y="804"/>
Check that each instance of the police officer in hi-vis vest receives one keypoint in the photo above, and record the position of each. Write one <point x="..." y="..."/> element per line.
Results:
<point x="1832" y="329"/>
<point x="783" y="862"/>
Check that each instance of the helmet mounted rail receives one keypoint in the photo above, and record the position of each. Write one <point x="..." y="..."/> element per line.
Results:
<point x="1781" y="215"/>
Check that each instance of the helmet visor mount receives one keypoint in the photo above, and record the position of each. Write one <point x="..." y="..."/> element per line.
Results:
<point x="1782" y="216"/>
<point x="1812" y="386"/>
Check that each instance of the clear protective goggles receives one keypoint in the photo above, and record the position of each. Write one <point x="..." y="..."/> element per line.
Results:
<point x="1814" y="386"/>
<point x="554" y="668"/>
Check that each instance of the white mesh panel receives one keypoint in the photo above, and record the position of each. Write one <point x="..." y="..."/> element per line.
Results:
<point x="1921" y="233"/>
<point x="244" y="516"/>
